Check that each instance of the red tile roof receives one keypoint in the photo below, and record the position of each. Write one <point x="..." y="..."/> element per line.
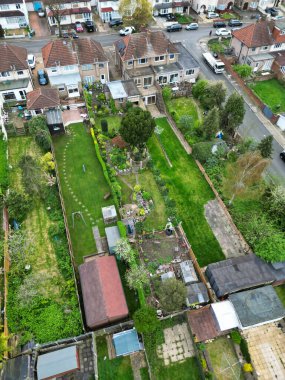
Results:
<point x="43" y="98"/>
<point x="13" y="57"/>
<point x="203" y="324"/>
<point x="103" y="294"/>
<point x="255" y="35"/>
<point x="89" y="51"/>
<point x="109" y="9"/>
<point x="147" y="44"/>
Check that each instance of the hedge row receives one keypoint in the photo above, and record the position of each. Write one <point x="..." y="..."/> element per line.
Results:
<point x="3" y="165"/>
<point x="122" y="229"/>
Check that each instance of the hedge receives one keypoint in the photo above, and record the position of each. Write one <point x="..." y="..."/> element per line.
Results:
<point x="244" y="350"/>
<point x="122" y="229"/>
<point x="3" y="164"/>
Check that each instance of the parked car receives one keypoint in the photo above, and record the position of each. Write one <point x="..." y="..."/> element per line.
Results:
<point x="212" y="15"/>
<point x="219" y="24"/>
<point x="276" y="18"/>
<point x="41" y="12"/>
<point x="223" y="32"/>
<point x="272" y="11"/>
<point x="174" y="28"/>
<point x="31" y="61"/>
<point x="115" y="22"/>
<point x="282" y="155"/>
<point x="127" y="30"/>
<point x="170" y="17"/>
<point x="90" y="26"/>
<point x="234" y="22"/>
<point x="78" y="27"/>
<point x="192" y="26"/>
<point x="42" y="77"/>
<point x="69" y="34"/>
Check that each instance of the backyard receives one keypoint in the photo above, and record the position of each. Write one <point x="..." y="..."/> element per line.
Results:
<point x="113" y="121"/>
<point x="224" y="360"/>
<point x="178" y="107"/>
<point x="271" y="92"/>
<point x="189" y="190"/>
<point x="83" y="186"/>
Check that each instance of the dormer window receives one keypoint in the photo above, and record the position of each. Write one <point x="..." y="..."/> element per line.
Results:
<point x="264" y="48"/>
<point x="130" y="63"/>
<point x="160" y="58"/>
<point x="5" y="74"/>
<point x="21" y="72"/>
<point x="18" y="6"/>
<point x="282" y="32"/>
<point x="171" y="56"/>
<point x="142" y="61"/>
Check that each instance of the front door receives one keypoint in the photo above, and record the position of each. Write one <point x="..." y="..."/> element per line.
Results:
<point x="102" y="78"/>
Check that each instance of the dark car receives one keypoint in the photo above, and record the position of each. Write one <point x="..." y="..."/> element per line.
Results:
<point x="90" y="26"/>
<point x="219" y="24"/>
<point x="115" y="22"/>
<point x="273" y="11"/>
<point x="69" y="34"/>
<point x="234" y="22"/>
<point x="282" y="155"/>
<point x="42" y="77"/>
<point x="174" y="28"/>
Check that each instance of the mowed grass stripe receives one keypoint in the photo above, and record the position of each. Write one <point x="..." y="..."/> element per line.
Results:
<point x="191" y="192"/>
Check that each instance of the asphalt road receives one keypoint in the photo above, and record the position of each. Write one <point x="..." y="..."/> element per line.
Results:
<point x="251" y="127"/>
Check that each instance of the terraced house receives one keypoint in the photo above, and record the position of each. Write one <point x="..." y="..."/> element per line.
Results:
<point x="71" y="64"/>
<point x="13" y="14"/>
<point x="71" y="11"/>
<point x="152" y="60"/>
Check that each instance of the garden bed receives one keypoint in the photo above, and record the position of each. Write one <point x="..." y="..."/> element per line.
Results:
<point x="271" y="92"/>
<point x="183" y="19"/>
<point x="190" y="191"/>
<point x="217" y="46"/>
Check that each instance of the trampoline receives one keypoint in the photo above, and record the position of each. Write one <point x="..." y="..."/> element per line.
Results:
<point x="126" y="342"/>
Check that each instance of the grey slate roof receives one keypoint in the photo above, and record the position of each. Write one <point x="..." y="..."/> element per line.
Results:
<point x="186" y="60"/>
<point x="188" y="272"/>
<point x="239" y="273"/>
<point x="113" y="236"/>
<point x="17" y="368"/>
<point x="54" y="117"/>
<point x="196" y="294"/>
<point x="278" y="270"/>
<point x="257" y="306"/>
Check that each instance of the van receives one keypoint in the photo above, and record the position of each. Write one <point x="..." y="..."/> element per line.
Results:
<point x="219" y="24"/>
<point x="174" y="28"/>
<point x="235" y="23"/>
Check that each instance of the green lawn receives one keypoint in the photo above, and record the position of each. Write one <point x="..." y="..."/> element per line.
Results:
<point x="82" y="191"/>
<point x="178" y="107"/>
<point x="228" y="16"/>
<point x="280" y="290"/>
<point x="144" y="373"/>
<point x="221" y="354"/>
<point x="118" y="368"/>
<point x="191" y="192"/>
<point x="114" y="122"/>
<point x="272" y="93"/>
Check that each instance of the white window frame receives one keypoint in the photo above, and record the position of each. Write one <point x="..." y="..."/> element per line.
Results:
<point x="175" y="76"/>
<point x="69" y="67"/>
<point x="159" y="58"/>
<point x="146" y="79"/>
<point x="18" y="6"/>
<point x="171" y="56"/>
<point x="130" y="63"/>
<point x="86" y="67"/>
<point x="101" y="65"/>
<point x="142" y="61"/>
<point x="190" y="72"/>
<point x="20" y="72"/>
<point x="264" y="48"/>
<point x="89" y="79"/>
<point x="4" y="7"/>
<point x="61" y="88"/>
<point x="138" y="82"/>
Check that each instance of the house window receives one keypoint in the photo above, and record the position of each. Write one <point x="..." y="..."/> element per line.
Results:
<point x="130" y="63"/>
<point x="61" y="88"/>
<point x="179" y="10"/>
<point x="282" y="69"/>
<point x="142" y="61"/>
<point x="5" y="74"/>
<point x="282" y="32"/>
<point x="22" y="94"/>
<point x="171" y="56"/>
<point x="166" y="1"/>
<point x="4" y="7"/>
<point x="264" y="48"/>
<point x="61" y="6"/>
<point x="89" y="79"/>
<point x="121" y="100"/>
<point x="18" y="6"/>
<point x="253" y="49"/>
<point x="75" y="5"/>
<point x="190" y="72"/>
<point x="13" y="20"/>
<point x="86" y="16"/>
<point x="86" y="67"/>
<point x="9" y="96"/>
<point x="276" y="46"/>
<point x="63" y="18"/>
<point x="160" y="58"/>
<point x="173" y="78"/>
<point x="157" y="1"/>
<point x="72" y="89"/>
<point x="69" y="67"/>
<point x="21" y="72"/>
<point x="147" y="81"/>
<point x="162" y="79"/>
<point x="85" y="3"/>
<point x="164" y="11"/>
<point x="138" y="82"/>
<point x="78" y="17"/>
<point x="101" y="65"/>
<point x="53" y="69"/>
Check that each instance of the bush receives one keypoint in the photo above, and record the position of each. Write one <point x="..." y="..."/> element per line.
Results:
<point x="146" y="195"/>
<point x="247" y="367"/>
<point x="18" y="205"/>
<point x="244" y="71"/>
<point x="236" y="337"/>
<point x="166" y="93"/>
<point x="104" y="126"/>
<point x="145" y="320"/>
<point x="122" y="229"/>
<point x="4" y="179"/>
<point x="139" y="227"/>
<point x="244" y="350"/>
<point x="199" y="89"/>
<point x="39" y="129"/>
<point x="202" y="151"/>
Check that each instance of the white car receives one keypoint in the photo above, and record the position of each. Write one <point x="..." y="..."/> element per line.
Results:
<point x="126" y="31"/>
<point x="223" y="32"/>
<point x="276" y="18"/>
<point x="31" y="61"/>
<point x="192" y="26"/>
<point x="212" y="15"/>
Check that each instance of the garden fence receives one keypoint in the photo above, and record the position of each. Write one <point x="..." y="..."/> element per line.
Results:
<point x="6" y="270"/>
<point x="116" y="328"/>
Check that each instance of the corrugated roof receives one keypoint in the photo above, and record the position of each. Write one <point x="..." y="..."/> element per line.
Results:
<point x="126" y="342"/>
<point x="188" y="272"/>
<point x="53" y="364"/>
<point x="109" y="212"/>
<point x="113" y="236"/>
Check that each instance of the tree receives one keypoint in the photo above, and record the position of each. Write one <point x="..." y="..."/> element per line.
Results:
<point x="214" y="95"/>
<point x="202" y="151"/>
<point x="211" y="123"/>
<point x="265" y="147"/>
<point x="137" y="126"/>
<point x="145" y="320"/>
<point x="2" y="33"/>
<point x="244" y="71"/>
<point x="233" y="113"/>
<point x="186" y="123"/>
<point x="172" y="294"/>
<point x="32" y="177"/>
<point x="243" y="177"/>
<point x="199" y="88"/>
<point x="55" y="6"/>
<point x="18" y="205"/>
<point x="104" y="126"/>
<point x="47" y="162"/>
<point x="39" y="129"/>
<point x="137" y="276"/>
<point x="137" y="13"/>
<point x="124" y="250"/>
<point x="277" y="204"/>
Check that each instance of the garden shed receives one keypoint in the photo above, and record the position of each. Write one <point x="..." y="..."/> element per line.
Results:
<point x="188" y="272"/>
<point x="113" y="236"/>
<point x="167" y="275"/>
<point x="238" y="273"/>
<point x="126" y="342"/>
<point x="225" y="315"/>
<point x="109" y="214"/>
<point x="103" y="295"/>
<point x="55" y="122"/>
<point x="58" y="363"/>
<point x="256" y="307"/>
<point x="197" y="294"/>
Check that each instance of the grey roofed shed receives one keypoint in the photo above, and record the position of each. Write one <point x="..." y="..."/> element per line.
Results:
<point x="196" y="294"/>
<point x="117" y="90"/>
<point x="113" y="236"/>
<point x="56" y="363"/>
<point x="238" y="273"/>
<point x="109" y="214"/>
<point x="257" y="306"/>
<point x="188" y="272"/>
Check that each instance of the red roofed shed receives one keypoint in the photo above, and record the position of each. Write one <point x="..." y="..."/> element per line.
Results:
<point x="103" y="295"/>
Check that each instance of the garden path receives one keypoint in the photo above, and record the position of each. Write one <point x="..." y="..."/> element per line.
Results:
<point x="137" y="362"/>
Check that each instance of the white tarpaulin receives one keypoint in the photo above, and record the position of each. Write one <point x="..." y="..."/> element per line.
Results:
<point x="225" y="315"/>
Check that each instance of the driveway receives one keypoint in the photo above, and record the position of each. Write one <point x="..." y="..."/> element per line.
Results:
<point x="39" y="24"/>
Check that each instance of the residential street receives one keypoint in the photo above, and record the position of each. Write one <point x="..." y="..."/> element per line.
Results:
<point x="251" y="126"/>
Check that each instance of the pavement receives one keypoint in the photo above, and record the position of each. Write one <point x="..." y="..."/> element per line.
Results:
<point x="39" y="25"/>
<point x="255" y="125"/>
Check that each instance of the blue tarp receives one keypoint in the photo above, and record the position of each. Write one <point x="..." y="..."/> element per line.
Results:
<point x="126" y="342"/>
